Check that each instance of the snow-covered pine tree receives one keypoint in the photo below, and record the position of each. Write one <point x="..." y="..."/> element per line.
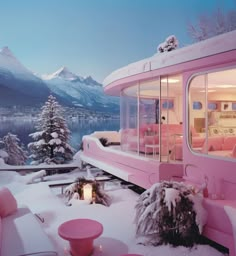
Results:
<point x="16" y="155"/>
<point x="52" y="136"/>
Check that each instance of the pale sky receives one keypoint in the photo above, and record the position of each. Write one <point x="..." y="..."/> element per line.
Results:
<point x="95" y="37"/>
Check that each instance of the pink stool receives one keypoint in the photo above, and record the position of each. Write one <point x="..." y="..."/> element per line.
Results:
<point x="80" y="233"/>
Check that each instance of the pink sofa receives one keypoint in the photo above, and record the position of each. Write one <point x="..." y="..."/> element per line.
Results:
<point x="220" y="145"/>
<point x="20" y="230"/>
<point x="149" y="134"/>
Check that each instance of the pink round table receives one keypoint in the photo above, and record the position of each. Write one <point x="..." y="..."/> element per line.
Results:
<point x="80" y="233"/>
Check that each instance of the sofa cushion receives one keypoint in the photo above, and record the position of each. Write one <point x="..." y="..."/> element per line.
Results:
<point x="23" y="235"/>
<point x="213" y="144"/>
<point x="233" y="154"/>
<point x="229" y="143"/>
<point x="8" y="204"/>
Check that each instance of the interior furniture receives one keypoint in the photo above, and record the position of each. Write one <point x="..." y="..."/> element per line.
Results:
<point x="154" y="147"/>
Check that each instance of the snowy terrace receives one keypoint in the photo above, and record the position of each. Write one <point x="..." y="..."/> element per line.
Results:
<point x="118" y="219"/>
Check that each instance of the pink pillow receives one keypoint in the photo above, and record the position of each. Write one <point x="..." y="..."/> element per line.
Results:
<point x="8" y="204"/>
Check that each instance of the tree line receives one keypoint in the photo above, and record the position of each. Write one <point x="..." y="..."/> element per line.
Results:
<point x="50" y="141"/>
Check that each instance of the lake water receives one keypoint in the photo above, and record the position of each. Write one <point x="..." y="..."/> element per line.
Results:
<point x="22" y="127"/>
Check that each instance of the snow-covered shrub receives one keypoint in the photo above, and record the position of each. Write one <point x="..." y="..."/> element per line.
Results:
<point x="169" y="213"/>
<point x="168" y="45"/>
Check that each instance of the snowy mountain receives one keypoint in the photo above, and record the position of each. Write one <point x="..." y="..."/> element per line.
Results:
<point x="20" y="86"/>
<point x="82" y="92"/>
<point x="62" y="73"/>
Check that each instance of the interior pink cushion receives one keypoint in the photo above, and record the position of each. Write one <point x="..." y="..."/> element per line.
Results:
<point x="214" y="144"/>
<point x="234" y="152"/>
<point x="8" y="204"/>
<point x="229" y="143"/>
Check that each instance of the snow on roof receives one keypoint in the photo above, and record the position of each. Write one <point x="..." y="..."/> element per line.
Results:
<point x="214" y="45"/>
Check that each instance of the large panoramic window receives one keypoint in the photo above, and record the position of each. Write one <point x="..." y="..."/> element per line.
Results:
<point x="212" y="127"/>
<point x="151" y="118"/>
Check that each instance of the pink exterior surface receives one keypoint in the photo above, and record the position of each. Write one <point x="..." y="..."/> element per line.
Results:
<point x="80" y="233"/>
<point x="8" y="204"/>
<point x="220" y="172"/>
<point x="138" y="170"/>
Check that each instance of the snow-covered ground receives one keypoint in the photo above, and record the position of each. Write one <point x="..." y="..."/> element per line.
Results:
<point x="118" y="219"/>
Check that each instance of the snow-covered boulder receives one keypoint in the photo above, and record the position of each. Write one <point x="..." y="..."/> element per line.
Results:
<point x="168" y="45"/>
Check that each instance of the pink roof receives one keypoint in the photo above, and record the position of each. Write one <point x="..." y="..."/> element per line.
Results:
<point x="222" y="43"/>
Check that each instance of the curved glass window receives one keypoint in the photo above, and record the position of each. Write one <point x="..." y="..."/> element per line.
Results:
<point x="151" y="118"/>
<point x="212" y="129"/>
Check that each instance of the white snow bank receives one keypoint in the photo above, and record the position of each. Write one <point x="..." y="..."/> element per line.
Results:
<point x="118" y="219"/>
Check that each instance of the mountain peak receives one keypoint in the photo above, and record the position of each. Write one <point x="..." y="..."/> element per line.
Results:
<point x="65" y="73"/>
<point x="62" y="73"/>
<point x="6" y="52"/>
<point x="63" y="69"/>
<point x="90" y="81"/>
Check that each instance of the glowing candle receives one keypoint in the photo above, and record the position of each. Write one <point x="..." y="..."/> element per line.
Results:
<point x="100" y="248"/>
<point x="87" y="191"/>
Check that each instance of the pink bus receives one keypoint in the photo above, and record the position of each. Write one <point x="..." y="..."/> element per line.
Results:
<point x="177" y="121"/>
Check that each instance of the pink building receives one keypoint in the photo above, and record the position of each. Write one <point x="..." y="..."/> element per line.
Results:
<point x="177" y="121"/>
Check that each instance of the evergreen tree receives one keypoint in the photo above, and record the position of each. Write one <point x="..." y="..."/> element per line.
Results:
<point x="52" y="136"/>
<point x="16" y="155"/>
<point x="3" y="153"/>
